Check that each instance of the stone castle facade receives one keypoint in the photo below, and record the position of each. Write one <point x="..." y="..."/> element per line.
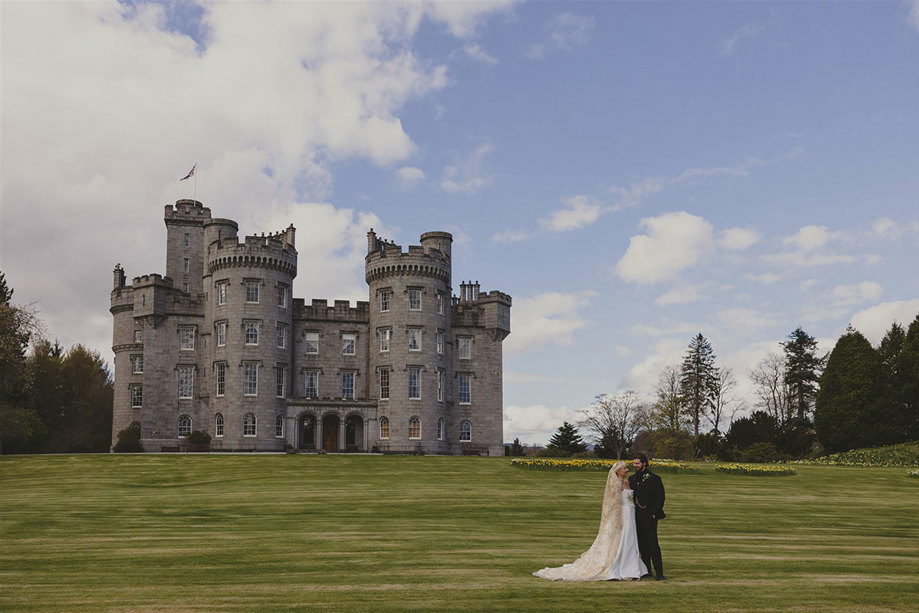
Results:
<point x="220" y="345"/>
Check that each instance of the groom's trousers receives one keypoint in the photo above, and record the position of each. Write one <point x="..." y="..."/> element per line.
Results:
<point x="650" y="550"/>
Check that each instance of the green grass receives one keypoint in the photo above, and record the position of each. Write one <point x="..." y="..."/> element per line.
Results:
<point x="359" y="533"/>
<point x="905" y="455"/>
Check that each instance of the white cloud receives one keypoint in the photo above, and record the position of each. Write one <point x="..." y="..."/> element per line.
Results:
<point x="738" y="239"/>
<point x="745" y="32"/>
<point x="874" y="322"/>
<point x="549" y="318"/>
<point x="744" y="319"/>
<point x="766" y="278"/>
<point x="643" y="376"/>
<point x="578" y="211"/>
<point x="408" y="177"/>
<point x="885" y="227"/>
<point x="475" y="52"/>
<point x="526" y="377"/>
<point x="810" y="238"/>
<point x="535" y="424"/>
<point x="683" y="294"/>
<point x="673" y="242"/>
<point x="914" y="14"/>
<point x="510" y="236"/>
<point x="621" y="351"/>
<point x="857" y="293"/>
<point x="463" y="18"/>
<point x="469" y="176"/>
<point x="807" y="284"/>
<point x="807" y="249"/>
<point x="565" y="31"/>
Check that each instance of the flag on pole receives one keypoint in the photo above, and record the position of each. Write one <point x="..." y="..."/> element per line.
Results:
<point x="190" y="174"/>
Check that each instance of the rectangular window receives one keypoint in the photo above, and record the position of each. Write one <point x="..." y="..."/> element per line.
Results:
<point x="185" y="287"/>
<point x="440" y="386"/>
<point x="440" y="303"/>
<point x="137" y="364"/>
<point x="282" y="336"/>
<point x="184" y="264"/>
<point x="347" y="385"/>
<point x="137" y="396"/>
<point x="282" y="296"/>
<point x="414" y="383"/>
<point x="220" y="378"/>
<point x="384" y="334"/>
<point x="465" y="389"/>
<point x="221" y="327"/>
<point x="414" y="299"/>
<point x="311" y="342"/>
<point x="464" y="347"/>
<point x="348" y="341"/>
<point x="251" y="328"/>
<point x="186" y="381"/>
<point x="186" y="338"/>
<point x="186" y="239"/>
<point x="252" y="292"/>
<point x="384" y="384"/>
<point x="138" y="336"/>
<point x="440" y="342"/>
<point x="281" y="380"/>
<point x="222" y="292"/>
<point x="383" y="297"/>
<point x="311" y="384"/>
<point x="414" y="339"/>
<point x="250" y="379"/>
<point x="414" y="428"/>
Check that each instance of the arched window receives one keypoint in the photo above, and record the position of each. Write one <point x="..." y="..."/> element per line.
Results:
<point x="440" y="428"/>
<point x="279" y="426"/>
<point x="218" y="424"/>
<point x="184" y="425"/>
<point x="465" y="431"/>
<point x="384" y="427"/>
<point x="249" y="424"/>
<point x="414" y="427"/>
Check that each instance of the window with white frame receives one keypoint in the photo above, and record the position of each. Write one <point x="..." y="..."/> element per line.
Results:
<point x="414" y="383"/>
<point x="282" y="336"/>
<point x="383" y="297"/>
<point x="414" y="427"/>
<point x="414" y="339"/>
<point x="279" y="426"/>
<point x="311" y="342"/>
<point x="280" y="375"/>
<point x="440" y="386"/>
<point x="385" y="336"/>
<point x="249" y="424"/>
<point x="220" y="378"/>
<point x="218" y="425"/>
<point x="250" y="378"/>
<point x="384" y="384"/>
<point x="348" y="343"/>
<point x="311" y="383"/>
<point x="440" y="303"/>
<point x="252" y="286"/>
<point x="137" y="364"/>
<point x="464" y="347"/>
<point x="414" y="299"/>
<point x="220" y="329"/>
<point x="186" y="338"/>
<point x="440" y="428"/>
<point x="251" y="331"/>
<point x="440" y="342"/>
<point x="137" y="396"/>
<point x="184" y="264"/>
<point x="138" y="336"/>
<point x="384" y="427"/>
<point x="186" y="381"/>
<point x="465" y="388"/>
<point x="222" y="292"/>
<point x="465" y="431"/>
<point x="186" y="240"/>
<point x="185" y="287"/>
<point x="184" y="425"/>
<point x="347" y="385"/>
<point x="282" y="295"/>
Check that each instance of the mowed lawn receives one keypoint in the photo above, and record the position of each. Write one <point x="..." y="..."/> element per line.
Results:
<point x="385" y="533"/>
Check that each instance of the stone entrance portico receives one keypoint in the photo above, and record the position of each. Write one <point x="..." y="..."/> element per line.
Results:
<point x="334" y="426"/>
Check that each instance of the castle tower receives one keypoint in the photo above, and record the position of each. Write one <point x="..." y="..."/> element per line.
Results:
<point x="185" y="244"/>
<point x="410" y="352"/>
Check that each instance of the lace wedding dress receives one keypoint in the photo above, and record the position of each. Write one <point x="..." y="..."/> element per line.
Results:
<point x="614" y="553"/>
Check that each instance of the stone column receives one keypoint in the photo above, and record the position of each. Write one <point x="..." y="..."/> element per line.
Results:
<point x="366" y="436"/>
<point x="341" y="434"/>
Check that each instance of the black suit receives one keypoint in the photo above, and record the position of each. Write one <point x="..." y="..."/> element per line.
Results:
<point x="649" y="507"/>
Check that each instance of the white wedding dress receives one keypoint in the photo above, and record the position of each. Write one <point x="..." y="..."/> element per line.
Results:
<point x="614" y="553"/>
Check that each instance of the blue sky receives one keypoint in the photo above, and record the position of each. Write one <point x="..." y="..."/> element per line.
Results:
<point x="632" y="173"/>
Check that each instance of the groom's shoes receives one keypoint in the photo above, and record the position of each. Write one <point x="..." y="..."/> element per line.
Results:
<point x="644" y="575"/>
<point x="659" y="578"/>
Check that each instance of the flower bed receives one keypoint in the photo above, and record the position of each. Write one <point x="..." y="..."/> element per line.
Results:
<point x="756" y="469"/>
<point x="663" y="466"/>
<point x="902" y="455"/>
<point x="913" y="473"/>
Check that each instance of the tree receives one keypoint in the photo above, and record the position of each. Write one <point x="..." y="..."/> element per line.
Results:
<point x="698" y="380"/>
<point x="802" y="371"/>
<point x="613" y="422"/>
<point x="759" y="427"/>
<point x="849" y="410"/>
<point x="772" y="393"/>
<point x="567" y="440"/>
<point x="906" y="381"/>
<point x="724" y="400"/>
<point x="666" y="412"/>
<point x="516" y="448"/>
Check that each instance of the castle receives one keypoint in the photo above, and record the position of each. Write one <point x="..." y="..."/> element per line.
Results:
<point x="220" y="345"/>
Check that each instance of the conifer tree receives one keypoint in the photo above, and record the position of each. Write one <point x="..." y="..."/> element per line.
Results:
<point x="906" y="382"/>
<point x="802" y="371"/>
<point x="698" y="381"/>
<point x="567" y="439"/>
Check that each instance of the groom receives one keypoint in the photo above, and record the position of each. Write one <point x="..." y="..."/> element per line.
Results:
<point x="649" y="507"/>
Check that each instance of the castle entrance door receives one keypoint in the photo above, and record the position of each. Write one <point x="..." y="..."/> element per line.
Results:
<point x="354" y="432"/>
<point x="307" y="432"/>
<point x="330" y="425"/>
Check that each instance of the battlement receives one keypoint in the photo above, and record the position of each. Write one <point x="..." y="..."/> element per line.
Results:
<point x="431" y="258"/>
<point x="342" y="310"/>
<point x="155" y="279"/>
<point x="186" y="212"/>
<point x="275" y="250"/>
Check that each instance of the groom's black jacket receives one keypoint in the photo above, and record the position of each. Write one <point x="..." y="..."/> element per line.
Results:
<point x="649" y="493"/>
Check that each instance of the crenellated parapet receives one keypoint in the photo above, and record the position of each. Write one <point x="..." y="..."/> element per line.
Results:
<point x="387" y="259"/>
<point x="341" y="310"/>
<point x="186" y="212"/>
<point x="474" y="308"/>
<point x="273" y="251"/>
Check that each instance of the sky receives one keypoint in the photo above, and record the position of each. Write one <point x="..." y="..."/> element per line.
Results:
<point x="631" y="173"/>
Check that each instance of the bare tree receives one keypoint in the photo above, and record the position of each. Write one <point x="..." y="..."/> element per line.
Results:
<point x="613" y="421"/>
<point x="724" y="399"/>
<point x="667" y="412"/>
<point x="772" y="392"/>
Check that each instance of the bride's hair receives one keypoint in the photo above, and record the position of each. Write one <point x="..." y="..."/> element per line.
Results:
<point x="619" y="464"/>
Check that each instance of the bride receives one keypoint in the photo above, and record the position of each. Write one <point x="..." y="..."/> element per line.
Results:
<point x="614" y="554"/>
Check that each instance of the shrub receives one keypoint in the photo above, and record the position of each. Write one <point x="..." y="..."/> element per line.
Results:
<point x="129" y="441"/>
<point x="197" y="437"/>
<point x="759" y="452"/>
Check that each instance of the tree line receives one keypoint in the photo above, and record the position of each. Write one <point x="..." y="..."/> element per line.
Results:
<point x="51" y="400"/>
<point x="805" y="404"/>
